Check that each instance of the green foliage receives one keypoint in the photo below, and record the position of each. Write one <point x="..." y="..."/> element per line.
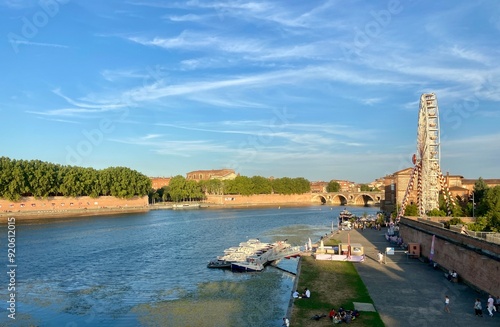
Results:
<point x="288" y="185"/>
<point x="490" y="206"/>
<point x="479" y="225"/>
<point x="365" y="188"/>
<point x="261" y="185"/>
<point x="333" y="186"/>
<point x="480" y="188"/>
<point x="42" y="179"/>
<point x="411" y="210"/>
<point x="436" y="213"/>
<point x="453" y="221"/>
<point x="180" y="189"/>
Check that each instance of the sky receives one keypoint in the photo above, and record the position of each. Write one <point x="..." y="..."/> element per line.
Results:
<point x="316" y="89"/>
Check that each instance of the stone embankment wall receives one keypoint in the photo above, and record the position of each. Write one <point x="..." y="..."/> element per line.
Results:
<point x="263" y="199"/>
<point x="476" y="261"/>
<point x="67" y="204"/>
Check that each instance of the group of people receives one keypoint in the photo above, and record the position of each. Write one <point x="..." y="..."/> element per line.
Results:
<point x="342" y="315"/>
<point x="452" y="276"/>
<point x="305" y="295"/>
<point x="492" y="305"/>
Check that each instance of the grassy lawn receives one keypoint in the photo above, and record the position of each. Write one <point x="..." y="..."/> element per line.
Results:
<point x="333" y="284"/>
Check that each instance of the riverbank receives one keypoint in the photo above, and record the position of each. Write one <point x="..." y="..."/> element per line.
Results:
<point x="26" y="216"/>
<point x="333" y="284"/>
<point x="404" y="290"/>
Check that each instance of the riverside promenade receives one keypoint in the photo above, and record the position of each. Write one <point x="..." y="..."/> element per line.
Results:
<point x="408" y="292"/>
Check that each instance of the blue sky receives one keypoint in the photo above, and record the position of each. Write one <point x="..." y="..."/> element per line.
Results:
<point x="316" y="89"/>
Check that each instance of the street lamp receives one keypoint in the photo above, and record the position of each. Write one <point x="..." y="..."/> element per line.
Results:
<point x="473" y="203"/>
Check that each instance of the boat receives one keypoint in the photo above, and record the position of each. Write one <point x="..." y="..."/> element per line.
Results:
<point x="253" y="255"/>
<point x="190" y="205"/>
<point x="344" y="219"/>
<point x="252" y="264"/>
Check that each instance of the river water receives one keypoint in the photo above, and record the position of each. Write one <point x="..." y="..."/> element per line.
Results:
<point x="149" y="269"/>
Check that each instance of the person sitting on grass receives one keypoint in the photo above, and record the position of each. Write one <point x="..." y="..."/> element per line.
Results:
<point x="306" y="294"/>
<point x="332" y="314"/>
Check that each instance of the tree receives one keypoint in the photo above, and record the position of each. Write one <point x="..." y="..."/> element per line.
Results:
<point x="261" y="185"/>
<point x="480" y="188"/>
<point x="411" y="210"/>
<point x="365" y="188"/>
<point x="333" y="186"/>
<point x="490" y="204"/>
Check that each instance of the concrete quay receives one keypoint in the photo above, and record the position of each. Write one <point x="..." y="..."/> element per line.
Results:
<point x="409" y="292"/>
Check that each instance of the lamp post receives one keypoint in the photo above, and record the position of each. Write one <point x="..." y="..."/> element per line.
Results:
<point x="473" y="205"/>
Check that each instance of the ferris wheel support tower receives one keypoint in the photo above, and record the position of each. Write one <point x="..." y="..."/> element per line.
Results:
<point x="428" y="153"/>
<point x="426" y="170"/>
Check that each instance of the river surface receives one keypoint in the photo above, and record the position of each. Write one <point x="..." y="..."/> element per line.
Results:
<point x="150" y="269"/>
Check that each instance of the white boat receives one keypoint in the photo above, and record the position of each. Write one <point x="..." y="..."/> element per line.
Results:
<point x="190" y="205"/>
<point x="252" y="264"/>
<point x="253" y="255"/>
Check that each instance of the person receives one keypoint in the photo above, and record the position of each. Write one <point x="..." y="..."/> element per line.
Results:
<point x="306" y="294"/>
<point x="478" y="309"/>
<point x="380" y="257"/>
<point x="491" y="306"/>
<point x="454" y="277"/>
<point x="337" y="319"/>
<point x="447" y="304"/>
<point x="497" y="303"/>
<point x="332" y="314"/>
<point x="286" y="322"/>
<point x="296" y="294"/>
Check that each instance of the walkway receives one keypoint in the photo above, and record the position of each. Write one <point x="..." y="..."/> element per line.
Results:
<point x="408" y="292"/>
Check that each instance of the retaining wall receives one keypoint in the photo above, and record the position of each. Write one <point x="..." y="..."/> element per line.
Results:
<point x="61" y="203"/>
<point x="476" y="261"/>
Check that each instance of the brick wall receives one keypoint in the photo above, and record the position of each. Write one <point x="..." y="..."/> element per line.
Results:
<point x="61" y="203"/>
<point x="263" y="199"/>
<point x="476" y="261"/>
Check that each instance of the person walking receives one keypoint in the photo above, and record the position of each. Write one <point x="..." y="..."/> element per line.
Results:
<point x="478" y="309"/>
<point x="447" y="304"/>
<point x="491" y="305"/>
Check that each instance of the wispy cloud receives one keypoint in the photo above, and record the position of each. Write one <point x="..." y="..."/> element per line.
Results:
<point x="120" y="74"/>
<point x="39" y="44"/>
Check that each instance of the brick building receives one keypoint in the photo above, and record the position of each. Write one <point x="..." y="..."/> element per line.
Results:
<point x="318" y="187"/>
<point x="159" y="182"/>
<point x="203" y="175"/>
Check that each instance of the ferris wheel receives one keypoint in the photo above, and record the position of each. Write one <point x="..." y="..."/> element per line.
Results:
<point x="426" y="170"/>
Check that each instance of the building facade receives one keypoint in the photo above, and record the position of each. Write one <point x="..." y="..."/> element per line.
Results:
<point x="203" y="175"/>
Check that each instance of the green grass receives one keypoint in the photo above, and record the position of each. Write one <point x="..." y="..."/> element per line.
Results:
<point x="333" y="284"/>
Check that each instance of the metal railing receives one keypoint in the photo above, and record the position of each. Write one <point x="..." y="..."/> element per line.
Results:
<point x="491" y="237"/>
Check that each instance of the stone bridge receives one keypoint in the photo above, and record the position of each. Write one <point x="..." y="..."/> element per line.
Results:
<point x="349" y="198"/>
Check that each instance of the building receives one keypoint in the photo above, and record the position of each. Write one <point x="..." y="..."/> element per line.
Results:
<point x="318" y="187"/>
<point x="159" y="182"/>
<point x="203" y="175"/>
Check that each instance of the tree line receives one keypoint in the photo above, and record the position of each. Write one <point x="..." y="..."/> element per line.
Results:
<point x="41" y="179"/>
<point x="181" y="189"/>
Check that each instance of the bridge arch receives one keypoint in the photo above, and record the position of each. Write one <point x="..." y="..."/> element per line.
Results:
<point x="319" y="198"/>
<point x="339" y="199"/>
<point x="365" y="199"/>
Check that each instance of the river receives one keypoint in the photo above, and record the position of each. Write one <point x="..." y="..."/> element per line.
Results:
<point x="149" y="269"/>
